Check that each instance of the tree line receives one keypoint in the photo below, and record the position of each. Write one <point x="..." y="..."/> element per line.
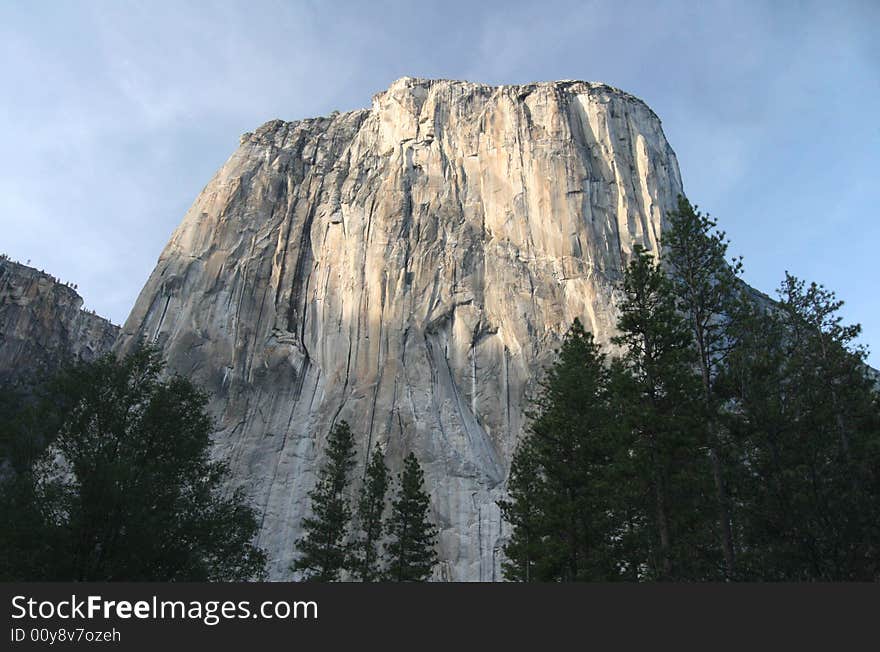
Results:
<point x="725" y="436"/>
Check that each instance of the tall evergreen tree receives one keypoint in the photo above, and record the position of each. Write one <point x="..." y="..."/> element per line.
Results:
<point x="754" y="384"/>
<point x="525" y="551"/>
<point x="323" y="550"/>
<point x="411" y="549"/>
<point x="560" y="483"/>
<point x="837" y="412"/>
<point x="706" y="287"/>
<point x="808" y="425"/>
<point x="366" y="556"/>
<point x="825" y="353"/>
<point x="657" y="390"/>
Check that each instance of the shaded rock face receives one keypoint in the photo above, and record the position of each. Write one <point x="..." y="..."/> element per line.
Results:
<point x="408" y="268"/>
<point x="43" y="325"/>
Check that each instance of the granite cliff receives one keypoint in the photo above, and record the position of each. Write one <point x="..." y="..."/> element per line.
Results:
<point x="43" y="325"/>
<point x="409" y="268"/>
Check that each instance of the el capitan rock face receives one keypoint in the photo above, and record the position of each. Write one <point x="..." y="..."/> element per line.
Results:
<point x="409" y="268"/>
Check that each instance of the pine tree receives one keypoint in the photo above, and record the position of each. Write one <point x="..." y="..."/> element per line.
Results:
<point x="560" y="483"/>
<point x="808" y="425"/>
<point x="371" y="506"/>
<point x="411" y="549"/>
<point x="655" y="386"/>
<point x="323" y="550"/>
<point x="525" y="551"/>
<point x="754" y="385"/>
<point x="837" y="414"/>
<point x="825" y="349"/>
<point x="707" y="287"/>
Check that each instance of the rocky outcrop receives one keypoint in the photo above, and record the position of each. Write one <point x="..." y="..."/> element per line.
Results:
<point x="43" y="325"/>
<point x="409" y="268"/>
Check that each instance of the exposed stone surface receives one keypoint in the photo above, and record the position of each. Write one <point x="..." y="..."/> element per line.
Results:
<point x="409" y="268"/>
<point x="43" y="325"/>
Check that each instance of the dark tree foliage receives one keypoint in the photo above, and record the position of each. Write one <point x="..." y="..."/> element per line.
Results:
<point x="27" y="544"/>
<point x="126" y="489"/>
<point x="732" y="437"/>
<point x="323" y="550"/>
<point x="664" y="476"/>
<point x="561" y="503"/>
<point x="366" y="555"/>
<point x="706" y="287"/>
<point x="411" y="549"/>
<point x="807" y="423"/>
<point x="21" y="440"/>
<point x="523" y="510"/>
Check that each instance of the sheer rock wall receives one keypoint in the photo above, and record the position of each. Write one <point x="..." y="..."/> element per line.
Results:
<point x="409" y="268"/>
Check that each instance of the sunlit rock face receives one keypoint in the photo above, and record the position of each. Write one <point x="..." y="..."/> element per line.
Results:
<point x="43" y="325"/>
<point x="409" y="268"/>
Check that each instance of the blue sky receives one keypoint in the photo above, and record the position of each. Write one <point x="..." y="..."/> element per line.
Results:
<point x="114" y="115"/>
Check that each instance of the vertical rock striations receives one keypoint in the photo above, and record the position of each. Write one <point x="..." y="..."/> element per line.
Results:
<point x="409" y="268"/>
<point x="43" y="325"/>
